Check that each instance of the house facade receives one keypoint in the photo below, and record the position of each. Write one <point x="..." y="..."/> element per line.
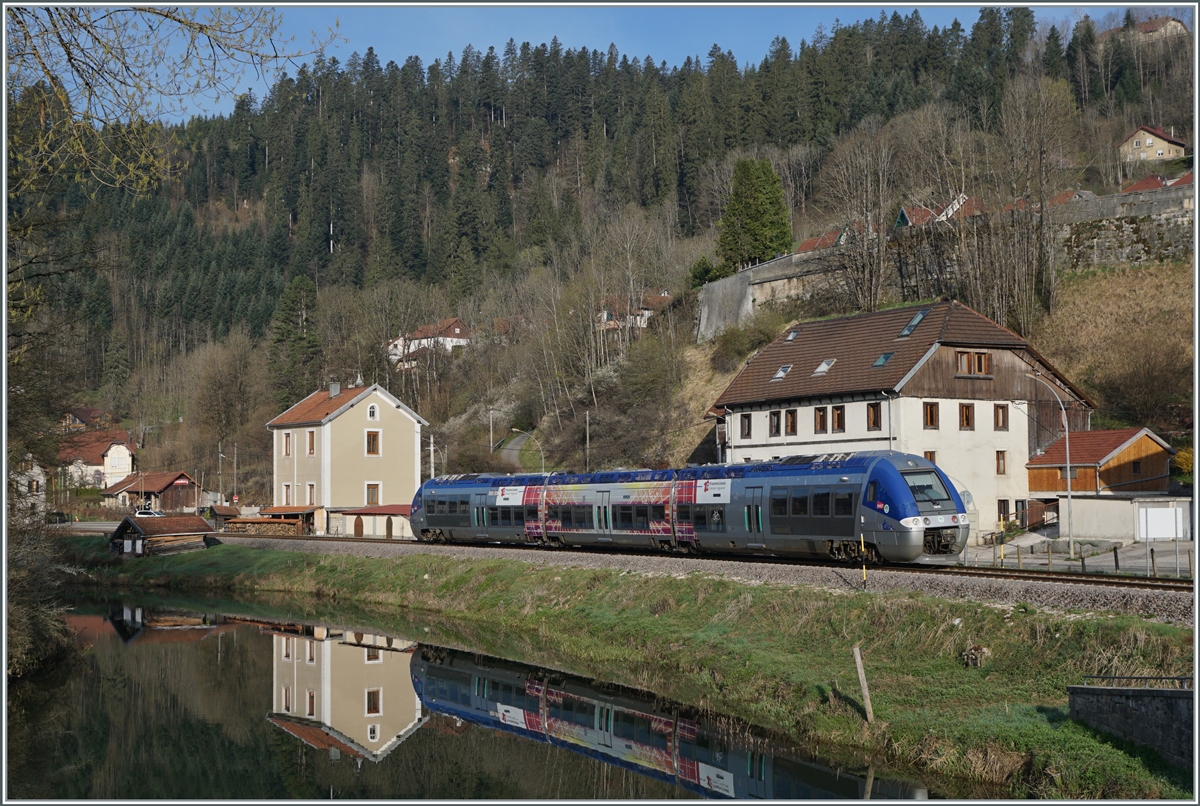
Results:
<point x="169" y="491"/>
<point x="1149" y="143"/>
<point x="937" y="380"/>
<point x="27" y="488"/>
<point x="96" y="458"/>
<point x="345" y="691"/>
<point x="344" y="449"/>
<point x="445" y="334"/>
<point x="1126" y="460"/>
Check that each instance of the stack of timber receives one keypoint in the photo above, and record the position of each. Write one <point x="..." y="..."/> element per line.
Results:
<point x="291" y="527"/>
<point x="174" y="544"/>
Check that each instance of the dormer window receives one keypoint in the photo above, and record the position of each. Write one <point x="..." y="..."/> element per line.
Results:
<point x="912" y="325"/>
<point x="824" y="367"/>
<point x="782" y="372"/>
<point x="372" y="412"/>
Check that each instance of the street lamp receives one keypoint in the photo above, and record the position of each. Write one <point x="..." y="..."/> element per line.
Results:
<point x="1067" y="431"/>
<point x="535" y="442"/>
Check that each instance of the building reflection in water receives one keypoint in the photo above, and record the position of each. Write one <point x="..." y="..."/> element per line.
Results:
<point x="350" y="693"/>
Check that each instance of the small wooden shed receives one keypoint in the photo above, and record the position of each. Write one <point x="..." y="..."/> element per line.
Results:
<point x="138" y="537"/>
<point x="1124" y="460"/>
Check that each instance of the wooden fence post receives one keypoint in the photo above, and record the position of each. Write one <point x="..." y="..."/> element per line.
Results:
<point x="1153" y="562"/>
<point x="1116" y="560"/>
<point x="862" y="681"/>
<point x="1019" y="566"/>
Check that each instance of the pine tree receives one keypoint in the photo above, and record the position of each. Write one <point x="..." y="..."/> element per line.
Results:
<point x="295" y="358"/>
<point x="1054" y="61"/>
<point x="755" y="225"/>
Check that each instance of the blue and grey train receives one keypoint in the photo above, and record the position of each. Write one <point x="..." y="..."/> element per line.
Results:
<point x="869" y="506"/>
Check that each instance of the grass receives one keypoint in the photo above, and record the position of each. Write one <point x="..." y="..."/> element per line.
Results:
<point x="777" y="656"/>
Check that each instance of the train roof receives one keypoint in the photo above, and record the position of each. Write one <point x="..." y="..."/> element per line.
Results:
<point x="788" y="464"/>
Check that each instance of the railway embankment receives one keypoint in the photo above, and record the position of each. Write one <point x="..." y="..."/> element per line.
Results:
<point x="776" y="652"/>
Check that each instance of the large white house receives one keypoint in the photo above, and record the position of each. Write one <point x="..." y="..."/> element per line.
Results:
<point x="96" y="458"/>
<point x="937" y="380"/>
<point x="341" y="449"/>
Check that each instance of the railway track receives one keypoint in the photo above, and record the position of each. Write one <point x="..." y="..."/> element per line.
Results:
<point x="1058" y="577"/>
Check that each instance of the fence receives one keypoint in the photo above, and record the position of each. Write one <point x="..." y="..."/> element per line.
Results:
<point x="1035" y="515"/>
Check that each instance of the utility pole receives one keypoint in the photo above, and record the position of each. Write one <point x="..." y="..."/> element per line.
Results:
<point x="235" y="471"/>
<point x="431" y="473"/>
<point x="491" y="436"/>
<point x="587" y="444"/>
<point x="220" y="479"/>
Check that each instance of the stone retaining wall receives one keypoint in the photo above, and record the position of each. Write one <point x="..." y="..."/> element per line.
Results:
<point x="1158" y="718"/>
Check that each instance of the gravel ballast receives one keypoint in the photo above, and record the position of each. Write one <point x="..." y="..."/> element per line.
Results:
<point x="1174" y="607"/>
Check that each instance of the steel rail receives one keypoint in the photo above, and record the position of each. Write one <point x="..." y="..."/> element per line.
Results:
<point x="1057" y="577"/>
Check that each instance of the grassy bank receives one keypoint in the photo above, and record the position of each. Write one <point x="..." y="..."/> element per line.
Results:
<point x="780" y="657"/>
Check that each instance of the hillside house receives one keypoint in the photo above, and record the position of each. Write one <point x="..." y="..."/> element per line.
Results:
<point x="346" y="693"/>
<point x="96" y="458"/>
<point x="617" y="312"/>
<point x="937" y="380"/>
<point x="344" y="449"/>
<point x="27" y="487"/>
<point x="1156" y="29"/>
<point x="1125" y="460"/>
<point x="169" y="491"/>
<point x="445" y="335"/>
<point x="85" y="417"/>
<point x="962" y="206"/>
<point x="1149" y="143"/>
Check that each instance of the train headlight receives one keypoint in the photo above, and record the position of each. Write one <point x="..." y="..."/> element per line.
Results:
<point x="927" y="521"/>
<point x="954" y="519"/>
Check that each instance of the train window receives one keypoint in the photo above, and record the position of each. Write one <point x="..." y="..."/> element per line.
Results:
<point x="872" y="488"/>
<point x="641" y="516"/>
<point x="843" y="503"/>
<point x="493" y="516"/>
<point x="683" y="512"/>
<point x="779" y="502"/>
<point x="518" y="516"/>
<point x="506" y="516"/>
<point x="464" y="504"/>
<point x="441" y="505"/>
<point x="926" y="486"/>
<point x="583" y="517"/>
<point x="430" y="505"/>
<point x="658" y="512"/>
<point x="531" y="514"/>
<point x="449" y="686"/>
<point x="625" y="517"/>
<point x="820" y="503"/>
<point x="553" y="514"/>
<point x="716" y="518"/>
<point x="585" y="714"/>
<point x="700" y="519"/>
<point x="452" y="506"/>
<point x="799" y="502"/>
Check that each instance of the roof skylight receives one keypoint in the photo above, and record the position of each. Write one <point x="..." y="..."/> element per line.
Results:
<point x="781" y="372"/>
<point x="883" y="359"/>
<point x="825" y="365"/>
<point x="791" y="336"/>
<point x="916" y="320"/>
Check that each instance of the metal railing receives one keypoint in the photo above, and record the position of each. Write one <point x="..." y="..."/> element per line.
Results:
<point x="1182" y="682"/>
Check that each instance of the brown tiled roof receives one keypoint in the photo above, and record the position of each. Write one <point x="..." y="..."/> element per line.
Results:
<point x="443" y="328"/>
<point x="313" y="734"/>
<point x="147" y="482"/>
<point x="856" y="342"/>
<point x="169" y="525"/>
<point x="382" y="509"/>
<point x="1186" y="179"/>
<point x="225" y="511"/>
<point x="1089" y="447"/>
<point x="1151" y="182"/>
<point x="822" y="241"/>
<point x="314" y="408"/>
<point x="91" y="445"/>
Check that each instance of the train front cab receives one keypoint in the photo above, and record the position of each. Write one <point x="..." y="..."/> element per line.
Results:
<point x="912" y="512"/>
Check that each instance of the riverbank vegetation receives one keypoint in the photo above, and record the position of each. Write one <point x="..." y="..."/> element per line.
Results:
<point x="777" y="656"/>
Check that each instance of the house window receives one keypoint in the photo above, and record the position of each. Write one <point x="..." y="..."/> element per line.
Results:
<point x="931" y="416"/>
<point x="287" y="648"/>
<point x="374" y="701"/>
<point x="34" y="485"/>
<point x="312" y="443"/>
<point x="874" y="416"/>
<point x="1137" y="468"/>
<point x="311" y="703"/>
<point x="287" y="699"/>
<point x="839" y="419"/>
<point x="966" y="416"/>
<point x="1001" y="420"/>
<point x="287" y="443"/>
<point x="789" y="423"/>
<point x="969" y="363"/>
<point x="373" y="655"/>
<point x="773" y="427"/>
<point x="931" y="456"/>
<point x="1001" y="463"/>
<point x="372" y="495"/>
<point x="372" y="412"/>
<point x="372" y="733"/>
<point x="312" y="651"/>
<point x="1062" y="473"/>
<point x="287" y="495"/>
<point x="1149" y="141"/>
<point x="1002" y="510"/>
<point x="745" y="426"/>
<point x="1137" y="143"/>
<point x="1160" y="152"/>
<point x="820" y="420"/>
<point x="312" y="494"/>
<point x="372" y="443"/>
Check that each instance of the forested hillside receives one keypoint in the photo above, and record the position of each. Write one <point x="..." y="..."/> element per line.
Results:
<point x="528" y="190"/>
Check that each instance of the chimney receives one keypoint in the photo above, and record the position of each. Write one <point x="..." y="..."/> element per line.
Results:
<point x="335" y="388"/>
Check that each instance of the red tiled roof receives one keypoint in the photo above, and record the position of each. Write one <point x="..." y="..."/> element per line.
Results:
<point x="224" y="511"/>
<point x="314" y="408"/>
<point x="382" y="509"/>
<point x="655" y="302"/>
<point x="147" y="482"/>
<point x="286" y="510"/>
<point x="90" y="446"/>
<point x="443" y="328"/>
<point x="312" y="734"/>
<point x="822" y="241"/>
<point x="1089" y="447"/>
<point x="856" y="342"/>
<point x="1151" y="182"/>
<point x="1159" y="133"/>
<point x="1186" y="179"/>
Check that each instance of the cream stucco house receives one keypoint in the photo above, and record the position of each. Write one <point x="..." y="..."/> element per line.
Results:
<point x="344" y="449"/>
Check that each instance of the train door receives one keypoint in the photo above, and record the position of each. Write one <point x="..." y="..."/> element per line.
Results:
<point x="479" y="514"/>
<point x="756" y="774"/>
<point x="753" y="517"/>
<point x="603" y="525"/>
<point x="604" y="720"/>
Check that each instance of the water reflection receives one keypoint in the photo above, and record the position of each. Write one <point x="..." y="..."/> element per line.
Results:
<point x="225" y="701"/>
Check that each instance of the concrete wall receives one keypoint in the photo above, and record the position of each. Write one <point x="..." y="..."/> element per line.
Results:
<point x="1108" y="517"/>
<point x="1157" y="718"/>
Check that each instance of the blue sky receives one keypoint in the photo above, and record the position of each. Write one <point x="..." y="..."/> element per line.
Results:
<point x="669" y="33"/>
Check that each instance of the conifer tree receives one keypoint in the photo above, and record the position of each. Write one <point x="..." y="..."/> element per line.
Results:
<point x="295" y="358"/>
<point x="755" y="225"/>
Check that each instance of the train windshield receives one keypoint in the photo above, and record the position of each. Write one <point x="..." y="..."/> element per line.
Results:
<point x="926" y="487"/>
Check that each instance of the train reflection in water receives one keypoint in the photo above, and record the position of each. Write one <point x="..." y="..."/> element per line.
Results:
<point x="717" y="758"/>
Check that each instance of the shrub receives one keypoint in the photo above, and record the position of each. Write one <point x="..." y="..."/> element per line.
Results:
<point x="1183" y="461"/>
